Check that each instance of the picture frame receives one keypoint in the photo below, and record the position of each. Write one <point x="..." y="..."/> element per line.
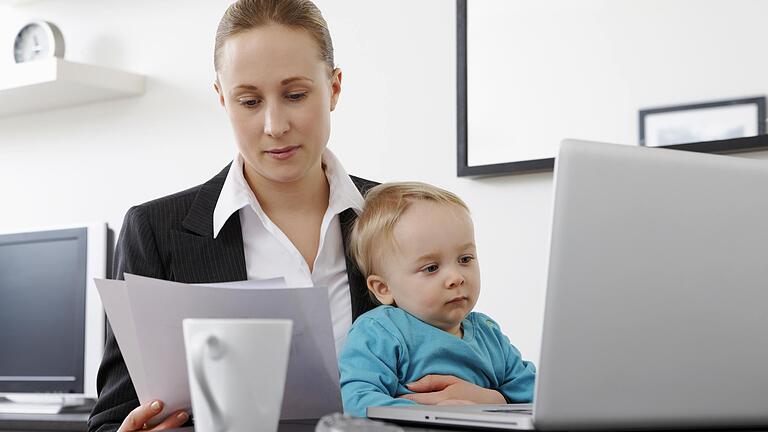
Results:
<point x="463" y="168"/>
<point x="584" y="89"/>
<point x="722" y="120"/>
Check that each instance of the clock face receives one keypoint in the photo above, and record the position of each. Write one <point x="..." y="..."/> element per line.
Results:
<point x="37" y="40"/>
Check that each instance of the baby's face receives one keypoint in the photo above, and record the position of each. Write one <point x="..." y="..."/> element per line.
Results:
<point x="432" y="273"/>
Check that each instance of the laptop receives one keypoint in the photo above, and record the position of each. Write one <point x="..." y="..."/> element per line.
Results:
<point x="656" y="311"/>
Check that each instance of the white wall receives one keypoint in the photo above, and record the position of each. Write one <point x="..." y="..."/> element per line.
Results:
<point x="395" y="120"/>
<point x="543" y="70"/>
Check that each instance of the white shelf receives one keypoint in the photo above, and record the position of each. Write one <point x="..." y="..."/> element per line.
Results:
<point x="55" y="83"/>
<point x="15" y="2"/>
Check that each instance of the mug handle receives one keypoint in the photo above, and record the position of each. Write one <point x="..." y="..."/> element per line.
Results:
<point x="216" y="351"/>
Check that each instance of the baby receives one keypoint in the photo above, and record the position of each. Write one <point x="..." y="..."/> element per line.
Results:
<point x="415" y="245"/>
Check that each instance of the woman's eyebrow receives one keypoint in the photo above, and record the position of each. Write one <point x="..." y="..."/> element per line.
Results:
<point x="296" y="78"/>
<point x="237" y="88"/>
<point x="282" y="83"/>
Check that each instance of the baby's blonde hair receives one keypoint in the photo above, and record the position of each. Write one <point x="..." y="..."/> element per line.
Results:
<point x="384" y="205"/>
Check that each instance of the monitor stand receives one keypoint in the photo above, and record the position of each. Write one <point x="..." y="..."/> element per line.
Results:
<point x="44" y="404"/>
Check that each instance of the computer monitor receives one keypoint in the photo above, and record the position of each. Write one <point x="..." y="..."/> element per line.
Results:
<point x="51" y="318"/>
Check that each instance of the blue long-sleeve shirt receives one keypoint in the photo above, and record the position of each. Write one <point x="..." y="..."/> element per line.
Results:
<point x="388" y="348"/>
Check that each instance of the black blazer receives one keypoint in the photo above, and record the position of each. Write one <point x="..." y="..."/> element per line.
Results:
<point x="171" y="238"/>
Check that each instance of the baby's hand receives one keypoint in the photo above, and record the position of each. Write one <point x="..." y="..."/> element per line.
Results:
<point x="434" y="389"/>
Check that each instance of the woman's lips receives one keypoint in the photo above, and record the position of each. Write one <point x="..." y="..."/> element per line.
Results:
<point x="283" y="152"/>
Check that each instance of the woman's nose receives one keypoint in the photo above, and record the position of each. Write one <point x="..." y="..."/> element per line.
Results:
<point x="275" y="122"/>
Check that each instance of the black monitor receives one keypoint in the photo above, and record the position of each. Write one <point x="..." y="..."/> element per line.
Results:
<point x="51" y="318"/>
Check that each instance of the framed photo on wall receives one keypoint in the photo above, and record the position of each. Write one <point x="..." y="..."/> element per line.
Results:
<point x="530" y="74"/>
<point x="708" y="121"/>
<point x="465" y="166"/>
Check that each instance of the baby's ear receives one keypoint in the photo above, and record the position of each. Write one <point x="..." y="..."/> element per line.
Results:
<point x="378" y="286"/>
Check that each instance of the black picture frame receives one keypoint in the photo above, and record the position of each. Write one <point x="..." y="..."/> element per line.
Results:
<point x="463" y="169"/>
<point x="644" y="115"/>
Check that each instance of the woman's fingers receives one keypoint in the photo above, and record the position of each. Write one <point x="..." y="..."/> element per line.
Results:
<point x="432" y="398"/>
<point x="137" y="418"/>
<point x="173" y="421"/>
<point x="431" y="383"/>
<point x="434" y="389"/>
<point x="455" y="402"/>
<point x="141" y="415"/>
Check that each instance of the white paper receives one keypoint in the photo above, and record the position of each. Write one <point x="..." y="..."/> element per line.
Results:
<point x="146" y="318"/>
<point x="115" y="300"/>
<point x="278" y="282"/>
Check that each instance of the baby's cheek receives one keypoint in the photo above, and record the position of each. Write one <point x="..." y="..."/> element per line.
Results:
<point x="433" y="302"/>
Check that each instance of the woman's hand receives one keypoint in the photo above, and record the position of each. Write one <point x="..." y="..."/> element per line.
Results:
<point x="438" y="389"/>
<point x="138" y="418"/>
<point x="455" y="402"/>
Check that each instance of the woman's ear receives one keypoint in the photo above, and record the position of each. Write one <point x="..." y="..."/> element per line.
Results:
<point x="378" y="286"/>
<point x="335" y="87"/>
<point x="217" y="87"/>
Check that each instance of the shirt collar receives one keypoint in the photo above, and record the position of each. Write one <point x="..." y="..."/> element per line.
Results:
<point x="344" y="194"/>
<point x="236" y="193"/>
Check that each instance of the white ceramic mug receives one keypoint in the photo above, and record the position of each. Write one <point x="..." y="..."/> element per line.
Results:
<point x="236" y="370"/>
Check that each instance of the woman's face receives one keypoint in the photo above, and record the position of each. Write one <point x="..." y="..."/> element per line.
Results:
<point x="278" y="95"/>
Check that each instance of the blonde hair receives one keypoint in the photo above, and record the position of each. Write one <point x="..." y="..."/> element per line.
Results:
<point x="245" y="15"/>
<point x="384" y="205"/>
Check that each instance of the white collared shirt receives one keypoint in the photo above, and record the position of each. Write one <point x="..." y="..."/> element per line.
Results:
<point x="269" y="253"/>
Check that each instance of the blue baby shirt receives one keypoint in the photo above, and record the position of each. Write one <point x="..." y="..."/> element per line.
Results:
<point x="387" y="348"/>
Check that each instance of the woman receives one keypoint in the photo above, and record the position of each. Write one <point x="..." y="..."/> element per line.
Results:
<point x="281" y="208"/>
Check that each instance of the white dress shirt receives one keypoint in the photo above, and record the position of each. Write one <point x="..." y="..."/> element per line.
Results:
<point x="269" y="253"/>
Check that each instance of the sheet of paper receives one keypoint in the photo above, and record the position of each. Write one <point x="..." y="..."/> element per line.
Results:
<point x="115" y="301"/>
<point x="154" y="309"/>
<point x="272" y="283"/>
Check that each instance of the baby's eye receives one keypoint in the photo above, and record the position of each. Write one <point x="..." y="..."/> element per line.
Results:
<point x="431" y="268"/>
<point x="294" y="97"/>
<point x="466" y="259"/>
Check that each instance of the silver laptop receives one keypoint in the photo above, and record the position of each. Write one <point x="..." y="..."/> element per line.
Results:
<point x="656" y="310"/>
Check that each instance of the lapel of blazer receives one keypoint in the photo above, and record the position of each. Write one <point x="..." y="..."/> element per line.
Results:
<point x="223" y="258"/>
<point x="358" y="288"/>
<point x="207" y="259"/>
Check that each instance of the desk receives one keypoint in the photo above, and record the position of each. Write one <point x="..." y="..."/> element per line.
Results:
<point x="43" y="422"/>
<point x="76" y="423"/>
<point x="299" y="427"/>
<point x="309" y="426"/>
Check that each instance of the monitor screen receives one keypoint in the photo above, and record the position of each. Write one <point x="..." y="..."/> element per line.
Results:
<point x="44" y="280"/>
